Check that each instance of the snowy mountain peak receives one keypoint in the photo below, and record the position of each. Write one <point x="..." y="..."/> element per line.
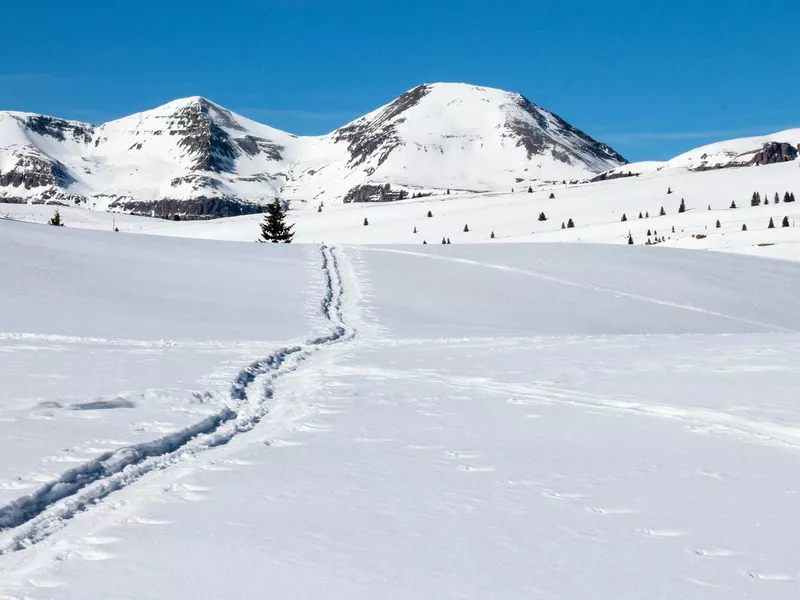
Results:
<point x="194" y="157"/>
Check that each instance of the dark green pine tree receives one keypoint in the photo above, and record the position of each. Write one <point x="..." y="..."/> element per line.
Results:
<point x="274" y="228"/>
<point x="570" y="223"/>
<point x="771" y="224"/>
<point x="662" y="212"/>
<point x="744" y="226"/>
<point x="630" y="239"/>
<point x="776" y="199"/>
<point x="466" y="228"/>
<point x="56" y="220"/>
<point x="718" y="224"/>
<point x="733" y="204"/>
<point x="491" y="236"/>
<point x="542" y="217"/>
<point x="552" y="196"/>
<point x="785" y="222"/>
<point x="624" y="217"/>
<point x="682" y="207"/>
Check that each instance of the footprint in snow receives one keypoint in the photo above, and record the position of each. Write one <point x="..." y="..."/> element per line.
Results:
<point x="662" y="533"/>
<point x="770" y="576"/>
<point x="613" y="511"/>
<point x="714" y="552"/>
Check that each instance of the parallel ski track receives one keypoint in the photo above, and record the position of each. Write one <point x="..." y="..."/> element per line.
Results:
<point x="32" y="518"/>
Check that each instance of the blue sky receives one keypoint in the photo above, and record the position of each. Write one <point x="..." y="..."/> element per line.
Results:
<point x="650" y="78"/>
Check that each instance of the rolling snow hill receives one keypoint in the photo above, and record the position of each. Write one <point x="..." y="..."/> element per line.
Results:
<point x="194" y="158"/>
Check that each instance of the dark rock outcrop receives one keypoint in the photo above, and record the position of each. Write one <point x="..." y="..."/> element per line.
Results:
<point x="374" y="193"/>
<point x="365" y="137"/>
<point x="32" y="171"/>
<point x="193" y="208"/>
<point x="774" y="152"/>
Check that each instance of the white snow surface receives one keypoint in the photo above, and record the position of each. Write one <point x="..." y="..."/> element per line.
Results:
<point x="463" y="421"/>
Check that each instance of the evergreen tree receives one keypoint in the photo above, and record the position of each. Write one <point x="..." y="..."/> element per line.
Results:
<point x="785" y="222"/>
<point x="744" y="227"/>
<point x="366" y="221"/>
<point x="274" y="228"/>
<point x="630" y="239"/>
<point x="669" y="190"/>
<point x="755" y="199"/>
<point x="424" y="241"/>
<point x="542" y="217"/>
<point x="624" y="218"/>
<point x="444" y="241"/>
<point x="319" y="208"/>
<point x="682" y="207"/>
<point x="415" y="229"/>
<point x="791" y="197"/>
<point x="771" y="224"/>
<point x="430" y="214"/>
<point x="776" y="199"/>
<point x="530" y="189"/>
<point x="563" y="225"/>
<point x="448" y="240"/>
<point x="673" y="229"/>
<point x="709" y="207"/>
<point x="646" y="215"/>
<point x="648" y="233"/>
<point x="766" y="200"/>
<point x="718" y="224"/>
<point x="466" y="228"/>
<point x="56" y="221"/>
<point x="662" y="212"/>
<point x="448" y="191"/>
<point x="640" y="215"/>
<point x="491" y="236"/>
<point x="733" y="204"/>
<point x="570" y="223"/>
<point x="552" y="195"/>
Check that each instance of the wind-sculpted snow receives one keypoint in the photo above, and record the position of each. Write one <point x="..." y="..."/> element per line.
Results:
<point x="33" y="517"/>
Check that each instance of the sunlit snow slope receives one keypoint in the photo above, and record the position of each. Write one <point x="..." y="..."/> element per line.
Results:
<point x="463" y="421"/>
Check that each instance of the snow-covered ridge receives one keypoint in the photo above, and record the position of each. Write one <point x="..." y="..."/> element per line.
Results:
<point x="192" y="157"/>
<point x="782" y="146"/>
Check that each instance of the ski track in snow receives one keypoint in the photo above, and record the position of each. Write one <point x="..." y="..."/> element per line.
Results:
<point x="586" y="286"/>
<point x="32" y="518"/>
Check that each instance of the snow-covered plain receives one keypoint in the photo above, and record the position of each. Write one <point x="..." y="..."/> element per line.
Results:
<point x="468" y="421"/>
<point x="596" y="210"/>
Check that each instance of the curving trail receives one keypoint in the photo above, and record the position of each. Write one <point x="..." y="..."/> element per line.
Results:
<point x="32" y="518"/>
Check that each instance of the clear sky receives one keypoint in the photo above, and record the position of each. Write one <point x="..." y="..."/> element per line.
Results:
<point x="650" y="78"/>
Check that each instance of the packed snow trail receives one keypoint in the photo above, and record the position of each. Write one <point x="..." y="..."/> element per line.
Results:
<point x="33" y="517"/>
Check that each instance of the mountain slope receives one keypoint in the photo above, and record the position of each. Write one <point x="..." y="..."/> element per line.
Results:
<point x="194" y="158"/>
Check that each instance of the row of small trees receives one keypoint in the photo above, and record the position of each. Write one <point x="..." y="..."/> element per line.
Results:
<point x="755" y="199"/>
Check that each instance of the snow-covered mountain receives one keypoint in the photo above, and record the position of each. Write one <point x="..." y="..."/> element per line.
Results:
<point x="750" y="151"/>
<point x="779" y="147"/>
<point x="194" y="158"/>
